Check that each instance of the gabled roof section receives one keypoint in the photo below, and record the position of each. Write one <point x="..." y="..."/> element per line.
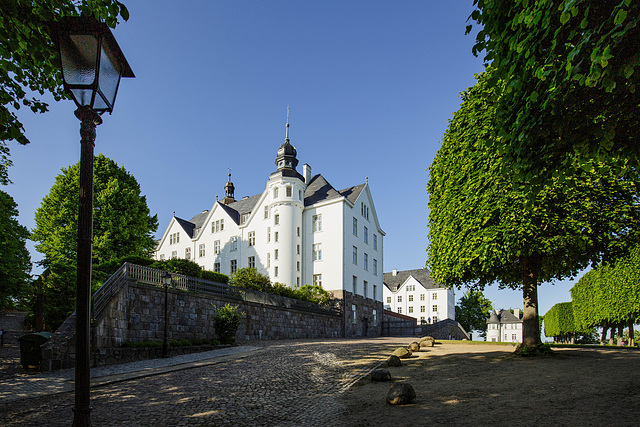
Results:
<point x="234" y="214"/>
<point x="352" y="193"/>
<point x="245" y="205"/>
<point x="319" y="190"/>
<point x="505" y="316"/>
<point x="187" y="226"/>
<point x="421" y="275"/>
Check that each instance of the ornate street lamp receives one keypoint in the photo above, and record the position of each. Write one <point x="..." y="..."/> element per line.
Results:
<point x="92" y="65"/>
<point x="166" y="281"/>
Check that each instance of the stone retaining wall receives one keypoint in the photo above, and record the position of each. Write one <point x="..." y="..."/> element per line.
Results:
<point x="137" y="314"/>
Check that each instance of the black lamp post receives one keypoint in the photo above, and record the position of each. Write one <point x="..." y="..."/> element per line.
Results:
<point x="166" y="281"/>
<point x="92" y="65"/>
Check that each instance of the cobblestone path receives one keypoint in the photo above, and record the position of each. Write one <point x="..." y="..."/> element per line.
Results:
<point x="13" y="324"/>
<point x="287" y="383"/>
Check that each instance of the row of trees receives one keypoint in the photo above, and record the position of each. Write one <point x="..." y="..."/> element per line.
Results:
<point x="536" y="177"/>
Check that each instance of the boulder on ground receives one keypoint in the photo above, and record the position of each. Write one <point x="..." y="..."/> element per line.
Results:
<point x="394" y="360"/>
<point x="426" y="343"/>
<point x="381" y="374"/>
<point x="414" y="346"/>
<point x="425" y="338"/>
<point x="402" y="352"/>
<point x="400" y="394"/>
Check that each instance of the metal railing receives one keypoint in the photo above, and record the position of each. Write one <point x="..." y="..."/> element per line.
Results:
<point x="152" y="276"/>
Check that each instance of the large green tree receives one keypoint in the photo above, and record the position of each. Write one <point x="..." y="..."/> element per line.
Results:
<point x="484" y="227"/>
<point x="473" y="310"/>
<point x="28" y="63"/>
<point x="566" y="76"/>
<point x="122" y="224"/>
<point x="15" y="263"/>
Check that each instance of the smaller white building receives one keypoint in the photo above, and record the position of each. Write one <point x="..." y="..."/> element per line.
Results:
<point x="415" y="294"/>
<point x="504" y="326"/>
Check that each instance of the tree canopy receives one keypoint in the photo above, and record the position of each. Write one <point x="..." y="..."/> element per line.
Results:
<point x="484" y="227"/>
<point x="15" y="262"/>
<point x="28" y="62"/>
<point x="122" y="224"/>
<point x="565" y="76"/>
<point x="473" y="310"/>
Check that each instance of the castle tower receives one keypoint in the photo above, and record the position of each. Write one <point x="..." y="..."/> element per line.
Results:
<point x="228" y="191"/>
<point x="286" y="203"/>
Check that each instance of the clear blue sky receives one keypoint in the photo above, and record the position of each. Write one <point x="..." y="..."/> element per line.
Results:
<point x="371" y="86"/>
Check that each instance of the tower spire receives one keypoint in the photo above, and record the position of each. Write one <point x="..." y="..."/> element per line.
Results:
<point x="229" y="190"/>
<point x="286" y="137"/>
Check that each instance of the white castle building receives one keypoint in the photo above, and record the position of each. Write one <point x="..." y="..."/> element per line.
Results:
<point x="415" y="294"/>
<point x="298" y="230"/>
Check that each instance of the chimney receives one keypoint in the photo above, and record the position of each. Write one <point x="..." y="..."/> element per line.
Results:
<point x="394" y="272"/>
<point x="306" y="173"/>
<point x="516" y="312"/>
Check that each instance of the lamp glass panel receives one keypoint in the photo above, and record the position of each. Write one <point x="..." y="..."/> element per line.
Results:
<point x="79" y="54"/>
<point x="82" y="96"/>
<point x="109" y="76"/>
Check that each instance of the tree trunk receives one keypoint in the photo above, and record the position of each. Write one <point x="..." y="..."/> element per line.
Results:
<point x="603" y="337"/>
<point x="530" y="325"/>
<point x="632" y="338"/>
<point x="620" y="334"/>
<point x="612" y="334"/>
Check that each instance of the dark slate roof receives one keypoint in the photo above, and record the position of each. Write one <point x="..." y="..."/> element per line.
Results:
<point x="505" y="316"/>
<point x="319" y="190"/>
<point x="246" y="204"/>
<point x="187" y="226"/>
<point x="421" y="275"/>
<point x="352" y="193"/>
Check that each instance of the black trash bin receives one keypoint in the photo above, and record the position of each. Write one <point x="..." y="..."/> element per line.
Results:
<point x="30" y="353"/>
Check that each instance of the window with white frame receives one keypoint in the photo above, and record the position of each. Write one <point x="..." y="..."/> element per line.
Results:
<point x="289" y="191"/>
<point x="297" y="249"/>
<point x="421" y="297"/>
<point x="216" y="267"/>
<point x="251" y="262"/>
<point x="233" y="243"/>
<point x="399" y="298"/>
<point x="355" y="284"/>
<point x="216" y="247"/>
<point x="299" y="194"/>
<point x="233" y="266"/>
<point x="399" y="310"/>
<point x="366" y="261"/>
<point x="244" y="218"/>
<point x="375" y="291"/>
<point x="266" y="212"/>
<point x="317" y="280"/>
<point x="365" y="234"/>
<point x="411" y="288"/>
<point x="434" y="308"/>
<point x="354" y="314"/>
<point x="217" y="226"/>
<point x="375" y="267"/>
<point x="174" y="254"/>
<point x="201" y="250"/>
<point x="375" y="317"/>
<point x="410" y="297"/>
<point x="411" y="309"/>
<point x="268" y="234"/>
<point x="174" y="238"/>
<point x="275" y="192"/>
<point x="275" y="271"/>
<point x="269" y="260"/>
<point x="375" y="242"/>
<point x="434" y="296"/>
<point x="355" y="226"/>
<point x="388" y="300"/>
<point x="275" y="254"/>
<point x="422" y="309"/>
<point x="298" y="231"/>
<point x="276" y="219"/>
<point x="297" y="265"/>
<point x="276" y="237"/>
<point x="252" y="238"/>
<point x="317" y="222"/>
<point x="355" y="255"/>
<point x="317" y="251"/>
<point x="365" y="288"/>
<point x="161" y="256"/>
<point x="187" y="253"/>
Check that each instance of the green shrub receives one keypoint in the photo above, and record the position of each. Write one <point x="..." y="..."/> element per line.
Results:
<point x="226" y="322"/>
<point x="213" y="276"/>
<point x="314" y="294"/>
<point x="533" y="350"/>
<point x="180" y="266"/>
<point x="249" y="278"/>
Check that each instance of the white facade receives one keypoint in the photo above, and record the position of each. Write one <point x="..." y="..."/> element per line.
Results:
<point x="299" y="230"/>
<point x="413" y="293"/>
<point x="503" y="326"/>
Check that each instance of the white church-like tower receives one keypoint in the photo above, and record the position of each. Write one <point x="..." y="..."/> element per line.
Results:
<point x="299" y="230"/>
